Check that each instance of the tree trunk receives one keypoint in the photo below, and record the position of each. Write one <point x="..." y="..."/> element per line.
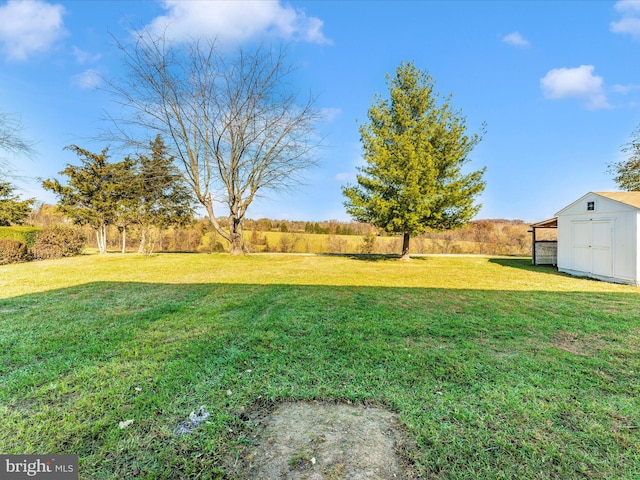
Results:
<point x="124" y="239"/>
<point x="143" y="239"/>
<point x="237" y="236"/>
<point x="236" y="245"/>
<point x="101" y="236"/>
<point x="103" y="239"/>
<point x="405" y="247"/>
<point x="236" y="242"/>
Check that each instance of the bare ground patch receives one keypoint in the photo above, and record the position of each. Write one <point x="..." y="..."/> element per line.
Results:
<point x="323" y="441"/>
<point x="584" y="346"/>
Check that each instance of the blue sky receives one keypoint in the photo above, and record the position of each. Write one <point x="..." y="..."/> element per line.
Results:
<point x="557" y="83"/>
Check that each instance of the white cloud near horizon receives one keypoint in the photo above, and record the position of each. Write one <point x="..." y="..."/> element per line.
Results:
<point x="29" y="27"/>
<point x="516" y="39"/>
<point x="579" y="82"/>
<point x="236" y="21"/>
<point x="630" y="21"/>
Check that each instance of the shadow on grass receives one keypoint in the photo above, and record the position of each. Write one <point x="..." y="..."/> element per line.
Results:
<point x="97" y="320"/>
<point x="365" y="257"/>
<point x="75" y="362"/>
<point x="524" y="264"/>
<point x="373" y="257"/>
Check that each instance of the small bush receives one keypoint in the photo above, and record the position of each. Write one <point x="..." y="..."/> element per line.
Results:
<point x="12" y="251"/>
<point x="368" y="244"/>
<point x="57" y="241"/>
<point x="288" y="242"/>
<point x="209" y="243"/>
<point x="336" y="244"/>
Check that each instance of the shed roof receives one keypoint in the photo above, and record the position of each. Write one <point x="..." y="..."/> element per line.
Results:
<point x="628" y="198"/>
<point x="551" y="223"/>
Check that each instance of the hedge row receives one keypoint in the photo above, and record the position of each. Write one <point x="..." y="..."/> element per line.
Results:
<point x="26" y="235"/>
<point x="20" y="244"/>
<point x="58" y="241"/>
<point x="12" y="251"/>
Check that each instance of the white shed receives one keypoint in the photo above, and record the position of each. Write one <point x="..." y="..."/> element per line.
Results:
<point x="599" y="237"/>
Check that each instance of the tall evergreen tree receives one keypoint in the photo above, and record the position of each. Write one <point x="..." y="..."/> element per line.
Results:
<point x="415" y="147"/>
<point x="164" y="198"/>
<point x="13" y="210"/>
<point x="146" y="191"/>
<point x="125" y="190"/>
<point x="93" y="192"/>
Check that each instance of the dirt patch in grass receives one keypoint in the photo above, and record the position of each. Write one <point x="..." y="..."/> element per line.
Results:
<point x="322" y="441"/>
<point x="569" y="343"/>
<point x="582" y="346"/>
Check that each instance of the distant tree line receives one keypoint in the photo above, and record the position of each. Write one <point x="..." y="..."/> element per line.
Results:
<point x="489" y="237"/>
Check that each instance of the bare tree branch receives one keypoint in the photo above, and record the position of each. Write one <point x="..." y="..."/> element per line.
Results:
<point x="234" y="121"/>
<point x="12" y="144"/>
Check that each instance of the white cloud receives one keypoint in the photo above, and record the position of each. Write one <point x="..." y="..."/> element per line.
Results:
<point x="236" y="21"/>
<point x="625" y="89"/>
<point x="83" y="57"/>
<point x="329" y="114"/>
<point x="579" y="82"/>
<point x="630" y="21"/>
<point x="30" y="26"/>
<point x="87" y="79"/>
<point x="630" y="25"/>
<point x="516" y="39"/>
<point x="628" y="6"/>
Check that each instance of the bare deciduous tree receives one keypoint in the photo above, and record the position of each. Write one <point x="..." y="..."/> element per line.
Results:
<point x="232" y="121"/>
<point x="11" y="141"/>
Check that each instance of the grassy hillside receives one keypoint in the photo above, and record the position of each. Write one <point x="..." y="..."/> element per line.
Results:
<point x="498" y="369"/>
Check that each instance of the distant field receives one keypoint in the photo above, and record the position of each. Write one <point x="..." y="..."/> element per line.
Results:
<point x="494" y="237"/>
<point x="322" y="243"/>
<point x="497" y="369"/>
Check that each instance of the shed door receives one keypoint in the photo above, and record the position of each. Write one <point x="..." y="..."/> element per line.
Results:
<point x="592" y="247"/>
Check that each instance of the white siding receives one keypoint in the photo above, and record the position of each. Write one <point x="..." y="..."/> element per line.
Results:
<point x="601" y="247"/>
<point x="580" y="247"/>
<point x="601" y="243"/>
<point x="624" y="262"/>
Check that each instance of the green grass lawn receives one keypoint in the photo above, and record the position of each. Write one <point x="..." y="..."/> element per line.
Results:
<point x="497" y="369"/>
